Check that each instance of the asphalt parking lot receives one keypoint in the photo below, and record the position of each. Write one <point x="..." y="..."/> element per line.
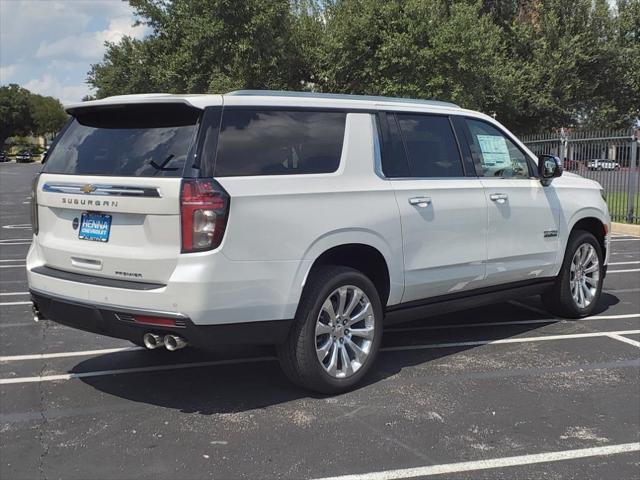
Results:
<point x="505" y="391"/>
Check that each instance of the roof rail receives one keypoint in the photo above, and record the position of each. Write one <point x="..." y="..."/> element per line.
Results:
<point x="339" y="96"/>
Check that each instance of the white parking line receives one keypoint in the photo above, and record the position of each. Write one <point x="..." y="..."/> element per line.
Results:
<point x="40" y="356"/>
<point x="625" y="339"/>
<point x="609" y="317"/>
<point x="154" y="368"/>
<point x="7" y="304"/>
<point x="14" y="260"/>
<point x="514" y="322"/>
<point x="488" y="464"/>
<point x="501" y="341"/>
<point x="14" y="266"/>
<point x="635" y="239"/>
<point x="613" y="271"/>
<point x="14" y="243"/>
<point x="3" y="294"/>
<point x="625" y="263"/>
<point x="23" y="226"/>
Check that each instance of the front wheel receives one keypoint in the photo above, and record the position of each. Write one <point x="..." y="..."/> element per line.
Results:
<point x="577" y="289"/>
<point x="337" y="331"/>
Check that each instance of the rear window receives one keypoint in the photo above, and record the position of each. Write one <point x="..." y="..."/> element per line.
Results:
<point x="141" y="141"/>
<point x="270" y="142"/>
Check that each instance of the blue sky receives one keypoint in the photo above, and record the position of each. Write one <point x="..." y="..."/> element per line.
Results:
<point x="48" y="46"/>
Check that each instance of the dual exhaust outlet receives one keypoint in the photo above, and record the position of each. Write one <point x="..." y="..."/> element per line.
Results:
<point x="170" y="342"/>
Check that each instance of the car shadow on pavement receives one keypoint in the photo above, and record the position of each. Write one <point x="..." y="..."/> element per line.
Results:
<point x="248" y="385"/>
<point x="606" y="301"/>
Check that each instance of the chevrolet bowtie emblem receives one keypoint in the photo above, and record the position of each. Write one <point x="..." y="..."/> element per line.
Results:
<point x="88" y="188"/>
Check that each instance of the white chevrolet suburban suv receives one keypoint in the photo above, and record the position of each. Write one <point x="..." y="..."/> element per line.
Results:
<point x="302" y="220"/>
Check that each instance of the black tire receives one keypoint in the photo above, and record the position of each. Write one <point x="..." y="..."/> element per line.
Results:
<point x="297" y="355"/>
<point x="558" y="299"/>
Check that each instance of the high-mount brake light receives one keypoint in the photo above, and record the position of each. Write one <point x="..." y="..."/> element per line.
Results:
<point x="204" y="206"/>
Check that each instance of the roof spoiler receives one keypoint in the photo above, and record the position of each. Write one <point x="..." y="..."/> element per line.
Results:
<point x="123" y="100"/>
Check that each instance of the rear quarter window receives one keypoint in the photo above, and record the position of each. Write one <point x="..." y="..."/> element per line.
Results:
<point x="138" y="141"/>
<point x="275" y="142"/>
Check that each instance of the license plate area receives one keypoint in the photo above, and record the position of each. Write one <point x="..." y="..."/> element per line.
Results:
<point x="95" y="227"/>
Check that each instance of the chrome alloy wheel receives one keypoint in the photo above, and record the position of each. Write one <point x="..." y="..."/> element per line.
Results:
<point x="585" y="275"/>
<point x="344" y="331"/>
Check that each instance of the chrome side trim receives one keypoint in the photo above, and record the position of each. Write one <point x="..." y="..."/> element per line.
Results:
<point x="101" y="189"/>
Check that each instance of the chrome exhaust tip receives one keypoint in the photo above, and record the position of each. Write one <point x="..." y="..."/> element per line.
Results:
<point x="152" y="340"/>
<point x="174" y="342"/>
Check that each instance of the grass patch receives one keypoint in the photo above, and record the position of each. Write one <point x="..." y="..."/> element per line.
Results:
<point x="617" y="203"/>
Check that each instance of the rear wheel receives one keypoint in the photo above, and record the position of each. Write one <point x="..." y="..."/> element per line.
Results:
<point x="337" y="331"/>
<point x="577" y="289"/>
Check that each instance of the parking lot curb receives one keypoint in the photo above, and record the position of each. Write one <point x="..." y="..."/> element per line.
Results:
<point x="625" y="228"/>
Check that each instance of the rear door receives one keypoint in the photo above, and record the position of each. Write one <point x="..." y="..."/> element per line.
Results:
<point x="443" y="210"/>
<point x="523" y="214"/>
<point x="109" y="195"/>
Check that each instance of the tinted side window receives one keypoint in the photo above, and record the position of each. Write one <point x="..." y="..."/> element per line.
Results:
<point x="271" y="142"/>
<point x="431" y="146"/>
<point x="498" y="155"/>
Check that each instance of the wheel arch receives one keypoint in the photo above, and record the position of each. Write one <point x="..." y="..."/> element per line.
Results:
<point x="595" y="225"/>
<point x="362" y="257"/>
<point x="360" y="249"/>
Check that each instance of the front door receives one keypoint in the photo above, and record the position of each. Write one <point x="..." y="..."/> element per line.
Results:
<point x="523" y="214"/>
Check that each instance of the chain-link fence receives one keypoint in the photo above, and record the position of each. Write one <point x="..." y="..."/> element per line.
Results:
<point x="607" y="156"/>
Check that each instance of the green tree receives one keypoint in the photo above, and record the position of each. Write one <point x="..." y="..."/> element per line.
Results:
<point x="23" y="113"/>
<point x="48" y="115"/>
<point x="628" y="42"/>
<point x="570" y="61"/>
<point x="199" y="46"/>
<point x="15" y="112"/>
<point x="535" y="64"/>
<point x="416" y="48"/>
<point x="129" y="66"/>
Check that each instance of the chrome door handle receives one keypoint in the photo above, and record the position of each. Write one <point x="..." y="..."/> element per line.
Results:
<point x="499" y="197"/>
<point x="420" y="201"/>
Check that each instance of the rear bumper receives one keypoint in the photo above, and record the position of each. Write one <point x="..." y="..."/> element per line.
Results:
<point x="118" y="322"/>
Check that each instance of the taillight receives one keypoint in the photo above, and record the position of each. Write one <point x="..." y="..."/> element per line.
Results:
<point x="204" y="206"/>
<point x="34" y="205"/>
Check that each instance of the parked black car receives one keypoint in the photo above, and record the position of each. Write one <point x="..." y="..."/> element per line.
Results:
<point x="3" y="156"/>
<point x="24" y="157"/>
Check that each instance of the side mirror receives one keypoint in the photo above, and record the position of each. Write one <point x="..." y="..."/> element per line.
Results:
<point x="549" y="167"/>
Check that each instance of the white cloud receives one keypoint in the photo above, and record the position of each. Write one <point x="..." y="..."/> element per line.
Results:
<point x="50" y="86"/>
<point x="89" y="45"/>
<point x="6" y="72"/>
<point x="48" y="46"/>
